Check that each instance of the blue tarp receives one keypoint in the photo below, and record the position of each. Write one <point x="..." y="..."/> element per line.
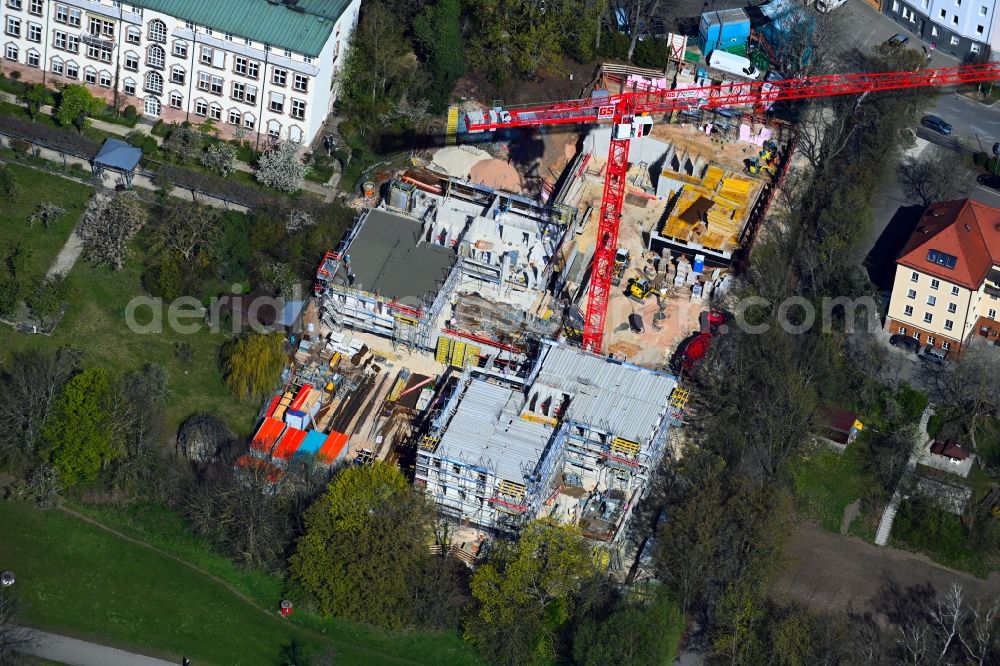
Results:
<point x="118" y="155"/>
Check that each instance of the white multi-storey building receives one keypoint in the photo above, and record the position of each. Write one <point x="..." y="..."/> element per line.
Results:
<point x="266" y="66"/>
<point x="966" y="29"/>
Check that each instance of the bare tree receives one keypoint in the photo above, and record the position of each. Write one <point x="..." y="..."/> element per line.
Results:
<point x="186" y="229"/>
<point x="971" y="383"/>
<point x="641" y="11"/>
<point x="13" y="639"/>
<point x="29" y="385"/>
<point x="108" y="225"/>
<point x="947" y="616"/>
<point x="913" y="640"/>
<point x="979" y="638"/>
<point x="204" y="437"/>
<point x="935" y="175"/>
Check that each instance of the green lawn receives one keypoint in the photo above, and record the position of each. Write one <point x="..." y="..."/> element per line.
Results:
<point x="165" y="529"/>
<point x="76" y="578"/>
<point x="36" y="188"/>
<point x="95" y="323"/>
<point x="826" y="482"/>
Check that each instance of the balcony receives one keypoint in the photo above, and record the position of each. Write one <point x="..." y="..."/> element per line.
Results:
<point x="94" y="40"/>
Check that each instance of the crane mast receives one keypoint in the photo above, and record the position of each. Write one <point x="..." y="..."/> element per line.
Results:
<point x="628" y="113"/>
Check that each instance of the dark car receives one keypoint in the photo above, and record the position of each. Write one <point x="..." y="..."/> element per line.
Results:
<point x="996" y="149"/>
<point x="936" y="124"/>
<point x="989" y="180"/>
<point x="896" y="41"/>
<point x="933" y="355"/>
<point x="905" y="342"/>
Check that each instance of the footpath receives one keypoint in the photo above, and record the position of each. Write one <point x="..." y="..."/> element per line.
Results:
<point x="74" y="652"/>
<point x="326" y="190"/>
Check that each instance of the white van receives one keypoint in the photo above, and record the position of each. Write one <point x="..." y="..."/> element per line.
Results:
<point x="824" y="6"/>
<point x="733" y="64"/>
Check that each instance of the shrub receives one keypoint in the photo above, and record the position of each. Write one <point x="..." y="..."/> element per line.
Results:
<point x="141" y="140"/>
<point x="979" y="159"/>
<point x="934" y="425"/>
<point x="20" y="146"/>
<point x="160" y="128"/>
<point x="131" y="113"/>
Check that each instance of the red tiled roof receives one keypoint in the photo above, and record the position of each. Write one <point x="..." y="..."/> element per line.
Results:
<point x="965" y="229"/>
<point x="950" y="449"/>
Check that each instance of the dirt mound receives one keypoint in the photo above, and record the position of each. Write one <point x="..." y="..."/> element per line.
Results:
<point x="496" y="174"/>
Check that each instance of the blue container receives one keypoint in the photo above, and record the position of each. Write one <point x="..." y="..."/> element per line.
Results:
<point x="699" y="264"/>
<point x="723" y="30"/>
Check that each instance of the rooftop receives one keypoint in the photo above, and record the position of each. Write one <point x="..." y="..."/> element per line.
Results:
<point x="487" y="430"/>
<point x="956" y="241"/>
<point x="387" y="257"/>
<point x="624" y="400"/>
<point x="302" y="26"/>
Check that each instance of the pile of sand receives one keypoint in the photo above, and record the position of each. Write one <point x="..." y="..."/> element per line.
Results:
<point x="496" y="174"/>
<point x="457" y="161"/>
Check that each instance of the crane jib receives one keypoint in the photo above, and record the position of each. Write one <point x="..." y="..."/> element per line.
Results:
<point x="621" y="109"/>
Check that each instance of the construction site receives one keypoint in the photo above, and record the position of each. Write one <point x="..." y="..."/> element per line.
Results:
<point x="446" y="332"/>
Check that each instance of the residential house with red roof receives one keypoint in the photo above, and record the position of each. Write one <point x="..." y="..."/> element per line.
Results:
<point x="947" y="284"/>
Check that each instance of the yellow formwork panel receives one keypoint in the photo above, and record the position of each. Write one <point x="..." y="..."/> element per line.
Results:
<point x="443" y="347"/>
<point x="457" y="353"/>
<point x="713" y="175"/>
<point x="511" y="489"/>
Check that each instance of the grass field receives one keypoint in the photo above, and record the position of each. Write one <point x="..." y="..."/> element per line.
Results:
<point x="95" y="319"/>
<point x="36" y="188"/>
<point x="826" y="482"/>
<point x="78" y="579"/>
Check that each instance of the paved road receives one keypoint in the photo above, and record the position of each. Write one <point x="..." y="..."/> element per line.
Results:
<point x="978" y="124"/>
<point x="80" y="653"/>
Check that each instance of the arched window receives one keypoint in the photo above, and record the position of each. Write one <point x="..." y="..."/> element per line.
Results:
<point x="158" y="30"/>
<point x="154" y="82"/>
<point x="295" y="134"/>
<point x="11" y="52"/>
<point x="234" y="117"/>
<point x="177" y="74"/>
<point x="128" y="85"/>
<point x="132" y="61"/>
<point x="155" y="56"/>
<point x="58" y="65"/>
<point x="215" y="111"/>
<point x="273" y="129"/>
<point x="151" y="107"/>
<point x="176" y="100"/>
<point x="34" y="58"/>
<point x="249" y="121"/>
<point x="133" y="35"/>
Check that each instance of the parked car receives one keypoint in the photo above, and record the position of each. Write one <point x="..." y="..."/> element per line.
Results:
<point x="896" y="41"/>
<point x="989" y="180"/>
<point x="905" y="342"/>
<point x="933" y="355"/>
<point x="936" y="124"/>
<point x="996" y="149"/>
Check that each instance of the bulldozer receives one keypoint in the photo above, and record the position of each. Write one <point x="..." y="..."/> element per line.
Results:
<point x="639" y="289"/>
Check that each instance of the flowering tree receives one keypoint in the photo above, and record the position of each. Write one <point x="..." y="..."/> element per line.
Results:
<point x="220" y="157"/>
<point x="281" y="167"/>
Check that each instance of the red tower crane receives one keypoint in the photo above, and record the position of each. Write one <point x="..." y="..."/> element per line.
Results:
<point x="629" y="114"/>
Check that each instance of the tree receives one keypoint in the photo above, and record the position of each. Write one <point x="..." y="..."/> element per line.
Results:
<point x="47" y="296"/>
<point x="30" y="384"/>
<point x="108" y="225"/>
<point x="187" y="230"/>
<point x="377" y="67"/>
<point x="281" y="167"/>
<point x="9" y="187"/>
<point x="75" y="105"/>
<point x="243" y="514"/>
<point x="641" y="11"/>
<point x="365" y="510"/>
<point x="933" y="176"/>
<point x="524" y="593"/>
<point x="79" y="432"/>
<point x="438" y="32"/>
<point x="635" y="633"/>
<point x="184" y="144"/>
<point x="220" y="157"/>
<point x="14" y="639"/>
<point x="204" y="437"/>
<point x="46" y="214"/>
<point x="33" y="98"/>
<point x="253" y="363"/>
